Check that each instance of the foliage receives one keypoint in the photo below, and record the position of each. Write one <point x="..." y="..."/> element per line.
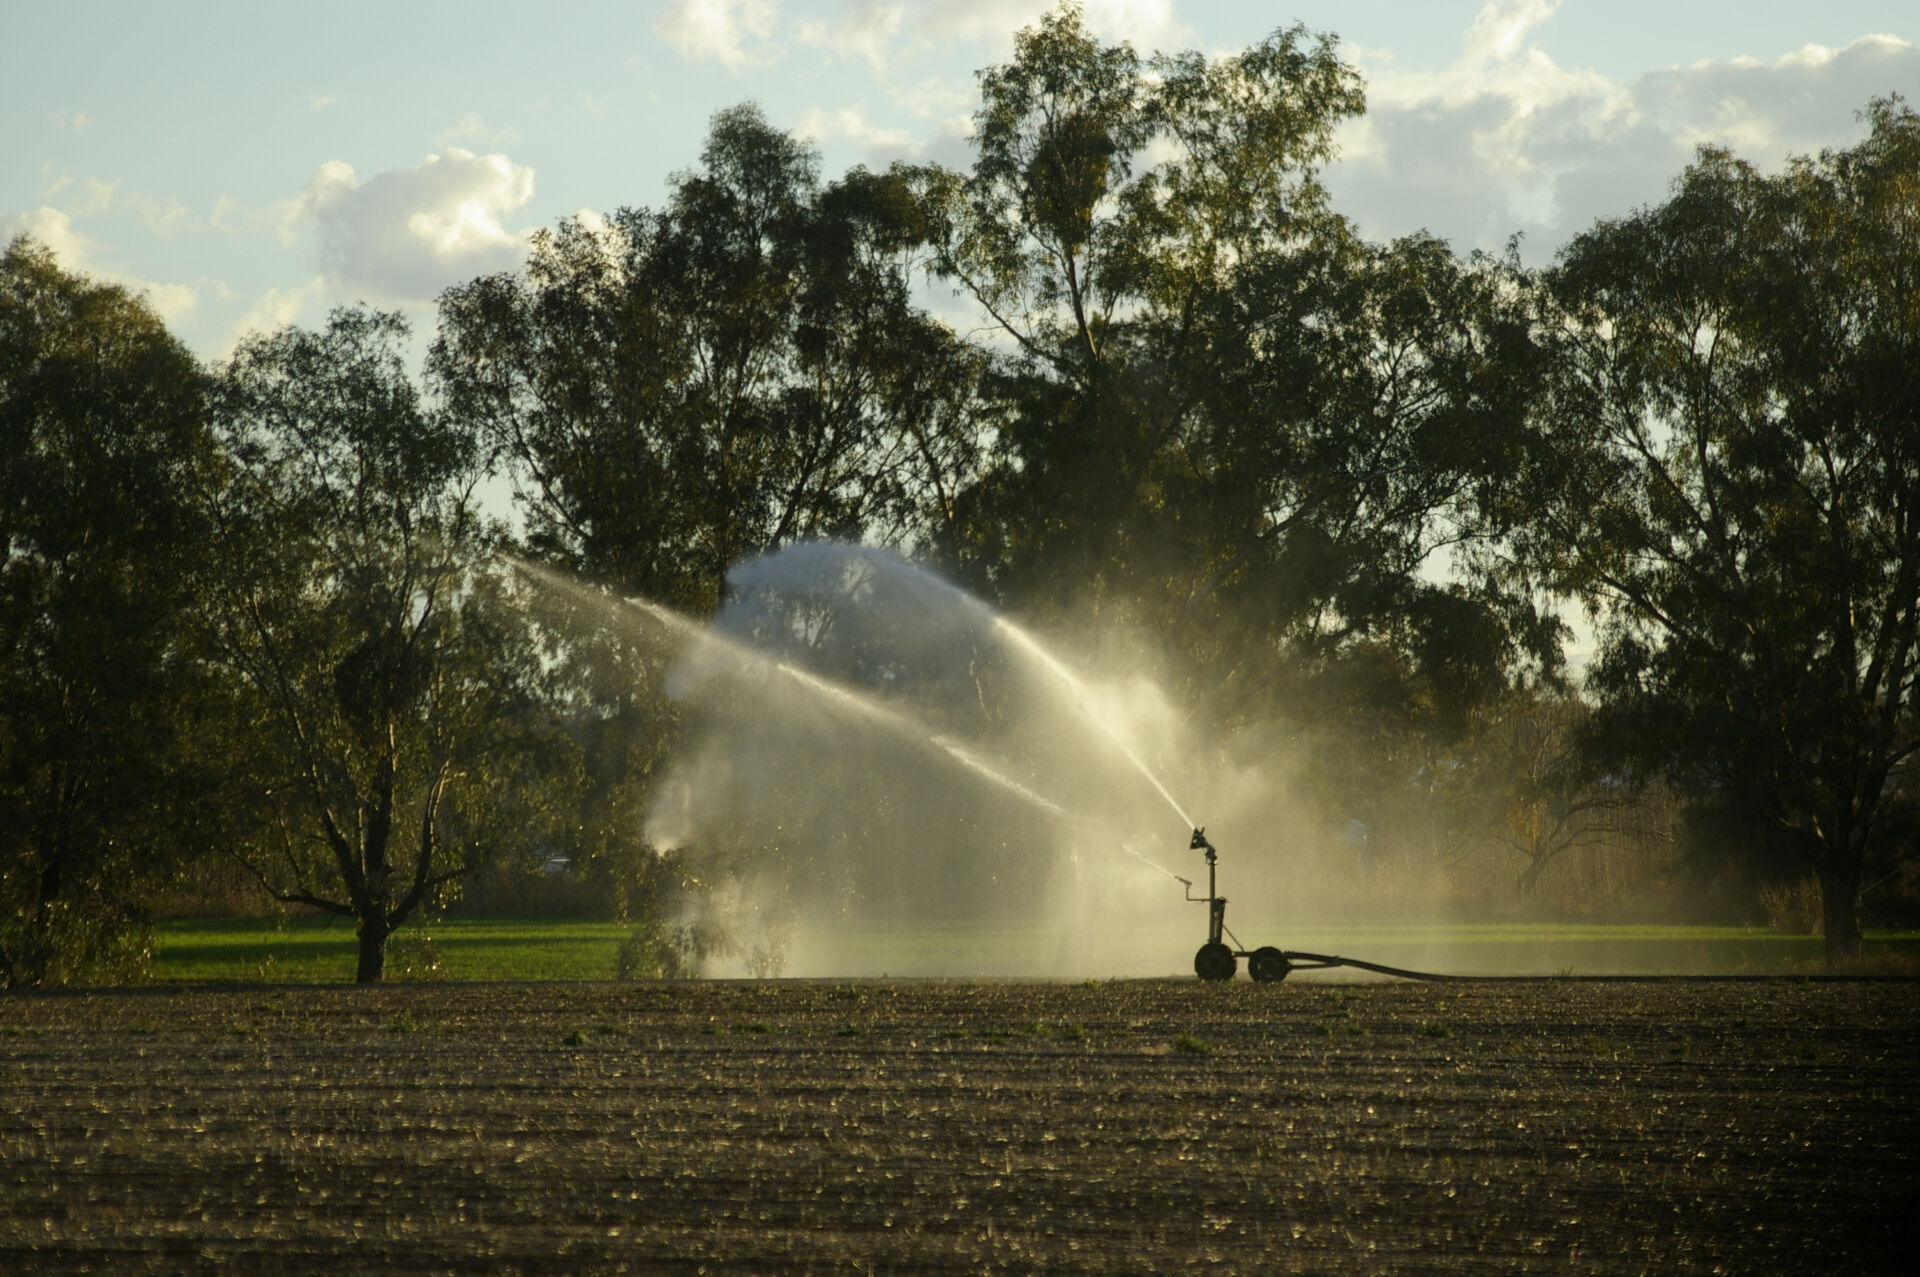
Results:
<point x="656" y="953"/>
<point x="1729" y="477"/>
<point x="103" y="706"/>
<point x="683" y="388"/>
<point x="390" y="683"/>
<point x="1224" y="417"/>
<point x="1334" y="488"/>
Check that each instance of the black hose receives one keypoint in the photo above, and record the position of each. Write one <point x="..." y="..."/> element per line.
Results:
<point x="1321" y="960"/>
<point x="1318" y="961"/>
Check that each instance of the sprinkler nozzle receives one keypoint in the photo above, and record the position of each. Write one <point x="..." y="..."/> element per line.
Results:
<point x="1199" y="841"/>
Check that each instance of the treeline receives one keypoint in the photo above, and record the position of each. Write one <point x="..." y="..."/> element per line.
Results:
<point x="255" y="620"/>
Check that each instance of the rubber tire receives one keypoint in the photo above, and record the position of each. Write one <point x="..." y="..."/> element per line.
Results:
<point x="1214" y="962"/>
<point x="1268" y="963"/>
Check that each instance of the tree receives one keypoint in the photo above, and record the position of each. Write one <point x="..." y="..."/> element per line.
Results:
<point x="389" y="676"/>
<point x="680" y="389"/>
<point x="103" y="439"/>
<point x="1729" y="477"/>
<point x="1221" y="414"/>
<point x="1097" y="276"/>
<point x="683" y="388"/>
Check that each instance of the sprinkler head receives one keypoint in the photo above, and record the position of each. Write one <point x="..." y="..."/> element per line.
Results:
<point x="1199" y="841"/>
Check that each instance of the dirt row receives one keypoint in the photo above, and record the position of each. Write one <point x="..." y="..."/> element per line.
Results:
<point x="946" y="1127"/>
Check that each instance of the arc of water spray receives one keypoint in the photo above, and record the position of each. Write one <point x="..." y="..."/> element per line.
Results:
<point x="847" y="699"/>
<point x="897" y="723"/>
<point x="1026" y="643"/>
<point x="1150" y="862"/>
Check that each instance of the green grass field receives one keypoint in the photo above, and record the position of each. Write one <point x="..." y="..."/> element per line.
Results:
<point x="320" y="950"/>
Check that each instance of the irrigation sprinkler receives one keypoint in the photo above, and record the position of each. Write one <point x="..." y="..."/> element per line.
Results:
<point x="1220" y="961"/>
<point x="1216" y="960"/>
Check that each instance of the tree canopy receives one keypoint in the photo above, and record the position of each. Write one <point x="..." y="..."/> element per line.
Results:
<point x="362" y="622"/>
<point x="1730" y="479"/>
<point x="1337" y="492"/>
<point x="102" y="703"/>
<point x="677" y="389"/>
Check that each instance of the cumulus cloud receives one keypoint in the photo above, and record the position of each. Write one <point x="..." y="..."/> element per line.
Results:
<point x="54" y="228"/>
<point x="745" y="34"/>
<point x="1506" y="140"/>
<point x="174" y="302"/>
<point x="76" y="251"/>
<point x="405" y="234"/>
<point x="735" y="33"/>
<point x="275" y="309"/>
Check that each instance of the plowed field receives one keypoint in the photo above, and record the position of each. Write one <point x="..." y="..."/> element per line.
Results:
<point x="1665" y="1127"/>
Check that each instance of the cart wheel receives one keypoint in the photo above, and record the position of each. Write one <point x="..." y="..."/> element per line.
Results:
<point x="1214" y="962"/>
<point x="1268" y="964"/>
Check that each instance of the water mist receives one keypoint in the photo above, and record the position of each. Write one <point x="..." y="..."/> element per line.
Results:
<point x="876" y="773"/>
<point x="893" y="778"/>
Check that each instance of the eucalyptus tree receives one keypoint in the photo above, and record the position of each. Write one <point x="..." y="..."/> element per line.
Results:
<point x="677" y="389"/>
<point x="103" y="706"/>
<point x="1094" y="267"/>
<point x="1729" y="476"/>
<point x="1219" y="411"/>
<point x="391" y="687"/>
<point x="681" y="388"/>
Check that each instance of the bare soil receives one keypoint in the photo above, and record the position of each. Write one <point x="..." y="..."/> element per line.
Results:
<point x="1661" y="1127"/>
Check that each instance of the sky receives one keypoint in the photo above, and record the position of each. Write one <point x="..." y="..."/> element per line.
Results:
<point x="251" y="165"/>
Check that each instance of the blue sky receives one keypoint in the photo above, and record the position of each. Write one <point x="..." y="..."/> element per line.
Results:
<point x="255" y="164"/>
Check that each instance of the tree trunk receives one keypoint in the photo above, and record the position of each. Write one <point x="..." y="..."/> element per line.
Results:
<point x="373" y="934"/>
<point x="1840" y="905"/>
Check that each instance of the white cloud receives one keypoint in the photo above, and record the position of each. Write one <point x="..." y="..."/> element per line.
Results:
<point x="852" y="125"/>
<point x="405" y="234"/>
<point x="174" y="302"/>
<point x="275" y="309"/>
<point x="863" y="29"/>
<point x="162" y="216"/>
<point x="734" y="33"/>
<point x="1500" y="30"/>
<point x="329" y="180"/>
<point x="743" y="35"/>
<point x="1506" y="140"/>
<point x="1148" y="24"/>
<point x="470" y="127"/>
<point x="1797" y="104"/>
<point x="98" y="197"/>
<point x="321" y="101"/>
<point x="54" y="228"/>
<point x="75" y="251"/>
